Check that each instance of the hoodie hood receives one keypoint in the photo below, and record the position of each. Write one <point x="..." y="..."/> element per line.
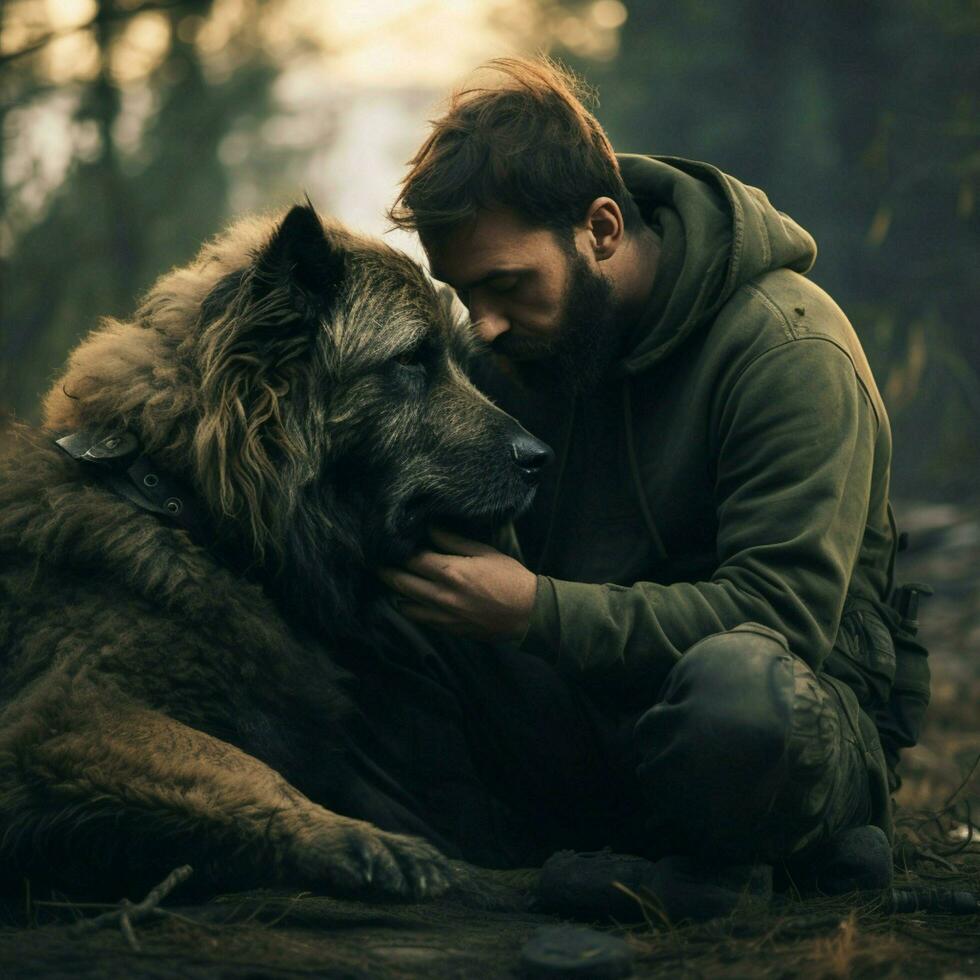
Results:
<point x="717" y="234"/>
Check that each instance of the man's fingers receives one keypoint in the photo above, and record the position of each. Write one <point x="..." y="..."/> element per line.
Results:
<point x="414" y="586"/>
<point x="432" y="565"/>
<point x="456" y="544"/>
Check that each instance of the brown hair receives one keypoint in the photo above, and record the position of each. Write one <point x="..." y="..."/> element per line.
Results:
<point x="527" y="143"/>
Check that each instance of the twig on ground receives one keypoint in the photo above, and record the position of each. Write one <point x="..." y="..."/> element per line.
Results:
<point x="966" y="780"/>
<point x="126" y="913"/>
<point x="929" y="855"/>
<point x="177" y="917"/>
<point x="647" y="905"/>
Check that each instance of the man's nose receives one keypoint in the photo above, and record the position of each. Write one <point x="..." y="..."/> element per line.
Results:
<point x="489" y="325"/>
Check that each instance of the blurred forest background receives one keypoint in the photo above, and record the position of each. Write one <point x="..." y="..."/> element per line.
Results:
<point x="133" y="130"/>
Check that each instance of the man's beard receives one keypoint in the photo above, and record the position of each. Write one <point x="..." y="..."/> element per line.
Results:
<point x="579" y="356"/>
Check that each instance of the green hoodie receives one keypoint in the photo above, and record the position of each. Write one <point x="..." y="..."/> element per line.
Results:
<point x="736" y="469"/>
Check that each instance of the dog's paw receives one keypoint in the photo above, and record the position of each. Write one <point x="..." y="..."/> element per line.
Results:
<point x="356" y="858"/>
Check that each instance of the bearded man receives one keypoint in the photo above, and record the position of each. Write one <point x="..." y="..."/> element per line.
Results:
<point x="693" y="642"/>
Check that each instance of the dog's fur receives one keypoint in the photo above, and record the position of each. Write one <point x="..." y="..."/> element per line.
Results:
<point x="306" y="383"/>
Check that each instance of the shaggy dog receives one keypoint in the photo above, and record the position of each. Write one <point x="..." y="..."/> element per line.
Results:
<point x="182" y="573"/>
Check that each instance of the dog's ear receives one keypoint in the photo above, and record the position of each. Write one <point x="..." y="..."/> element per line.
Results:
<point x="251" y="455"/>
<point x="300" y="255"/>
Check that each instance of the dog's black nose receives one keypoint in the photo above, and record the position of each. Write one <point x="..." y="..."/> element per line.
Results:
<point x="531" y="455"/>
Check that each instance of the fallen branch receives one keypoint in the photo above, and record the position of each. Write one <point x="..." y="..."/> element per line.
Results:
<point x="126" y="914"/>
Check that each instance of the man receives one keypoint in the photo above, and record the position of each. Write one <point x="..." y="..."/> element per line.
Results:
<point x="709" y="562"/>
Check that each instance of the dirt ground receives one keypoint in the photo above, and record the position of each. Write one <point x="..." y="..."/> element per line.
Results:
<point x="480" y="934"/>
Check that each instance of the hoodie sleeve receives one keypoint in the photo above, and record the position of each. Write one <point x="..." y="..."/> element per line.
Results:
<point x="795" y="444"/>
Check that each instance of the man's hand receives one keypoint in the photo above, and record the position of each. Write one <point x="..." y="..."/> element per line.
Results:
<point x="466" y="588"/>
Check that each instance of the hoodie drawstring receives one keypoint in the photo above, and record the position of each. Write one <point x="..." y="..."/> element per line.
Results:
<point x="635" y="471"/>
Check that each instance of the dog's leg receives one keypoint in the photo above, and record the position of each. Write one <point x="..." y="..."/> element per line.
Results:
<point x="160" y="792"/>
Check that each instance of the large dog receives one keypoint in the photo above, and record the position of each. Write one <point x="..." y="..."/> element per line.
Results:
<point x="180" y="575"/>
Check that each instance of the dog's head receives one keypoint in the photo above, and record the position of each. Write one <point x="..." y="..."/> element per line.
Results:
<point x="309" y="383"/>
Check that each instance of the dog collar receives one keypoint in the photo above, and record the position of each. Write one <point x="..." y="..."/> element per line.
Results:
<point x="119" y="461"/>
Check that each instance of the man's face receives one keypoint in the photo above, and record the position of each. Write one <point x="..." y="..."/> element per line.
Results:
<point x="537" y="300"/>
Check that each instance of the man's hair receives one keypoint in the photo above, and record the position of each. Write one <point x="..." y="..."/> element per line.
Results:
<point x="524" y="141"/>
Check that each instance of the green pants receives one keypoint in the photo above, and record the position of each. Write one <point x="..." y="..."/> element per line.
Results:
<point x="749" y="755"/>
<point x="498" y="759"/>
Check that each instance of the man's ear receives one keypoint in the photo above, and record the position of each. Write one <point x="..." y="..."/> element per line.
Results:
<point x="606" y="228"/>
<point x="301" y="256"/>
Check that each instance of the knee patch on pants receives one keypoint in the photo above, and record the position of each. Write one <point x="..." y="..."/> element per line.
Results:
<point x="741" y="756"/>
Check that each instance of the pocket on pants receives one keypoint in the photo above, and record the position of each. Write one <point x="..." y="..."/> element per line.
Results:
<point x="899" y="720"/>
<point x="863" y="655"/>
